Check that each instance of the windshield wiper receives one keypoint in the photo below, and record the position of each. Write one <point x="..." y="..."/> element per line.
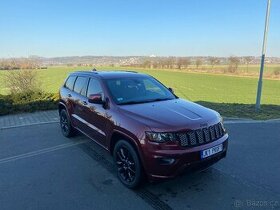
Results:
<point x="146" y="101"/>
<point x="132" y="102"/>
<point x="160" y="99"/>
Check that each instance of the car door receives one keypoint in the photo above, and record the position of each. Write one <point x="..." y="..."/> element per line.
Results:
<point x="94" y="114"/>
<point x="79" y="100"/>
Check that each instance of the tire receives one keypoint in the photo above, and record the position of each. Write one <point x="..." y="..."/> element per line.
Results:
<point x="129" y="168"/>
<point x="65" y="124"/>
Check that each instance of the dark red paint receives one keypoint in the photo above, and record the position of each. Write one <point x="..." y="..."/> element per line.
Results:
<point x="108" y="122"/>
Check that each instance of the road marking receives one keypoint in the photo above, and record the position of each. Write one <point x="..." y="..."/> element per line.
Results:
<point x="29" y="124"/>
<point x="41" y="151"/>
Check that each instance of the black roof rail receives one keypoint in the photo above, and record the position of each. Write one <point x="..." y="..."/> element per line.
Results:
<point x="86" y="72"/>
<point x="131" y="71"/>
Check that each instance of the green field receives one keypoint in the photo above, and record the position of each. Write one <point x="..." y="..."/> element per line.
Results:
<point x="192" y="86"/>
<point x="232" y="96"/>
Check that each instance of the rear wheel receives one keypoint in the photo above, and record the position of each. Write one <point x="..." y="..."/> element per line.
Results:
<point x="128" y="164"/>
<point x="65" y="124"/>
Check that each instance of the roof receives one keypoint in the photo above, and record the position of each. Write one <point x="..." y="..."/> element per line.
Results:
<point x="110" y="74"/>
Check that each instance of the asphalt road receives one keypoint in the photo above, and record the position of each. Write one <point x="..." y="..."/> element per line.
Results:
<point x="40" y="169"/>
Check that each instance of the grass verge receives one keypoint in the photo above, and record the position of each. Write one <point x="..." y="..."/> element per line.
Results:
<point x="244" y="110"/>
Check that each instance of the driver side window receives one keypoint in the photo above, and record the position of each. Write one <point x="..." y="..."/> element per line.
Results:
<point x="94" y="87"/>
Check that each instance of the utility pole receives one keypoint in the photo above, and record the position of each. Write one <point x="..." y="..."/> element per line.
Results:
<point x="259" y="91"/>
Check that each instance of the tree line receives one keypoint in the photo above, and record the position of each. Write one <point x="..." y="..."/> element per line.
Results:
<point x="185" y="62"/>
<point x="20" y="63"/>
<point x="148" y="62"/>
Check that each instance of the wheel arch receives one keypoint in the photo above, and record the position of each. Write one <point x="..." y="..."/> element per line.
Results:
<point x="118" y="135"/>
<point x="61" y="106"/>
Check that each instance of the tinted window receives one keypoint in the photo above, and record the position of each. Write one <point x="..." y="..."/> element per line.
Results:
<point x="81" y="85"/>
<point x="94" y="87"/>
<point x="149" y="86"/>
<point x="70" y="82"/>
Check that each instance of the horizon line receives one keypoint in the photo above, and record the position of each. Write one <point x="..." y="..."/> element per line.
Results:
<point x="151" y="56"/>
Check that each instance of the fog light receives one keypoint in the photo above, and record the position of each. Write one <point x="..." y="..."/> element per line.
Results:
<point x="166" y="161"/>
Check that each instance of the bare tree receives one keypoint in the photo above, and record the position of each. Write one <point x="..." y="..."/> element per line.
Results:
<point x="183" y="62"/>
<point x="22" y="81"/>
<point x="217" y="61"/>
<point x="233" y="63"/>
<point x="276" y="72"/>
<point x="164" y="63"/>
<point x="171" y="61"/>
<point x="248" y="60"/>
<point x="179" y="62"/>
<point x="198" y="62"/>
<point x="147" y="64"/>
<point x="187" y="62"/>
<point x="213" y="61"/>
<point x="154" y="63"/>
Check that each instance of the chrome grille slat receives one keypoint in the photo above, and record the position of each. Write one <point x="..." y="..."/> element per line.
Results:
<point x="201" y="136"/>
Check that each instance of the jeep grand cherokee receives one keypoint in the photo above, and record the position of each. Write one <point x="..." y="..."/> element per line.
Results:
<point x="143" y="124"/>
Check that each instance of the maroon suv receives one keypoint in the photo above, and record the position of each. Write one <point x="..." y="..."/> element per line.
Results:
<point x="144" y="125"/>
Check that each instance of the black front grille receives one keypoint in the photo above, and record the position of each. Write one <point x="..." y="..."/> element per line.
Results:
<point x="201" y="136"/>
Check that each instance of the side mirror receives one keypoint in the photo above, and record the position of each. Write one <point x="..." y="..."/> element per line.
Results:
<point x="95" y="99"/>
<point x="171" y="90"/>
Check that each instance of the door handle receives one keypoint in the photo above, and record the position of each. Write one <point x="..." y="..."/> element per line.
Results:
<point x="69" y="95"/>
<point x="84" y="103"/>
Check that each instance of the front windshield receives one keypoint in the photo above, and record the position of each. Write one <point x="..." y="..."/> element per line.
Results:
<point x="134" y="90"/>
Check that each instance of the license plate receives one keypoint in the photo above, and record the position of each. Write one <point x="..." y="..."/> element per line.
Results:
<point x="211" y="151"/>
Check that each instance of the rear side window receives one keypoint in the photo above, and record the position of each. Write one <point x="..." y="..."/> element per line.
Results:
<point x="70" y="82"/>
<point x="81" y="85"/>
<point x="94" y="87"/>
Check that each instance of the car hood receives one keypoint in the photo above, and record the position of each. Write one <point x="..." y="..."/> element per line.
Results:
<point x="177" y="114"/>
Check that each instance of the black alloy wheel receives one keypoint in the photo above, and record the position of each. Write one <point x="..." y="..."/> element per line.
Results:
<point x="65" y="124"/>
<point x="128" y="164"/>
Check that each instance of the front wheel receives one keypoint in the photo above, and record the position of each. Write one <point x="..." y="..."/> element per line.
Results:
<point x="128" y="164"/>
<point x="65" y="124"/>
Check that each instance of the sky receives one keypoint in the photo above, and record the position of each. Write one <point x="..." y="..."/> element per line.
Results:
<point x="53" y="28"/>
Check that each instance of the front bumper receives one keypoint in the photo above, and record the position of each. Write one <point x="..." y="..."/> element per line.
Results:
<point x="164" y="164"/>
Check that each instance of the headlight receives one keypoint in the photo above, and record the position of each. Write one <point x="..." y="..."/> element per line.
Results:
<point x="161" y="137"/>
<point x="222" y="123"/>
